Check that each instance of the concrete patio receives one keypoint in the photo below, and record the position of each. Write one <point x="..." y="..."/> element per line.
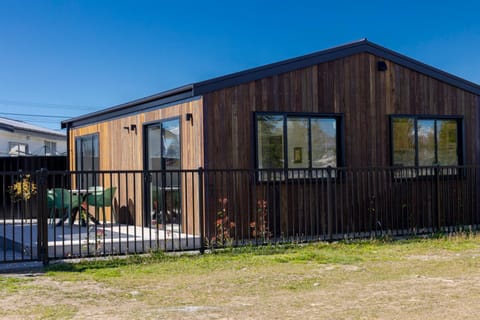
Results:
<point x="67" y="241"/>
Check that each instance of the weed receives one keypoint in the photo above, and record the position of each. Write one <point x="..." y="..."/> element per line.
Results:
<point x="259" y="227"/>
<point x="224" y="226"/>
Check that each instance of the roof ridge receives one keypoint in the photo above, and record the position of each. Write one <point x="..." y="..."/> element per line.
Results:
<point x="362" y="45"/>
<point x="268" y="70"/>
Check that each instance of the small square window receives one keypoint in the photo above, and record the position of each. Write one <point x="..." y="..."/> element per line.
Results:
<point x="50" y="147"/>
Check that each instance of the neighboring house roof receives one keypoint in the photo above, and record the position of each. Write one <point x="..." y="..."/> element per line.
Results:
<point x="16" y="126"/>
<point x="199" y="88"/>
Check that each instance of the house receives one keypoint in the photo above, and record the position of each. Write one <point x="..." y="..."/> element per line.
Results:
<point x="18" y="138"/>
<point x="354" y="106"/>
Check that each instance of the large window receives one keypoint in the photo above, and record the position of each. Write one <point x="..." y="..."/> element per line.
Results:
<point x="17" y="149"/>
<point x="297" y="141"/>
<point x="87" y="160"/>
<point x="422" y="141"/>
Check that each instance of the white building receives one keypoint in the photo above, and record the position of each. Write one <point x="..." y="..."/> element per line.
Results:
<point x="18" y="138"/>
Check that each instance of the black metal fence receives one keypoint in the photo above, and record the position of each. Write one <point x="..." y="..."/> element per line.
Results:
<point x="61" y="214"/>
<point x="32" y="163"/>
<point x="24" y="164"/>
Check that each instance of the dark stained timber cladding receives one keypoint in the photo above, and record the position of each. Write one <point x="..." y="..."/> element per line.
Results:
<point x="351" y="86"/>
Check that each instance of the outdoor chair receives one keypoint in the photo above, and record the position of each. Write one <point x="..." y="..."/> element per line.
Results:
<point x="62" y="200"/>
<point x="100" y="200"/>
<point x="172" y="205"/>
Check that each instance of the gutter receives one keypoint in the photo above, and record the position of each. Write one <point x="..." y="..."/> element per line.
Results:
<point x="165" y="97"/>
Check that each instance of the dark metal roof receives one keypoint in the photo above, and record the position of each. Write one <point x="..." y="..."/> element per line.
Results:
<point x="328" y="55"/>
<point x="269" y="70"/>
<point x="134" y="106"/>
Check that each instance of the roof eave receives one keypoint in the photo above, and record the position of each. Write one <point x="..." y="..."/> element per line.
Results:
<point x="279" y="67"/>
<point x="421" y="67"/>
<point x="323" y="56"/>
<point x="269" y="70"/>
<point x="6" y="127"/>
<point x="164" y="97"/>
<point x="59" y="135"/>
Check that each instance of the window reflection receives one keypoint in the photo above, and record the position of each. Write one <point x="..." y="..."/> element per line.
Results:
<point x="270" y="142"/>
<point x="426" y="142"/>
<point x="87" y="159"/>
<point x="324" y="143"/>
<point x="171" y="144"/>
<point x="309" y="142"/>
<point x="447" y="142"/>
<point x="164" y="163"/>
<point x="403" y="141"/>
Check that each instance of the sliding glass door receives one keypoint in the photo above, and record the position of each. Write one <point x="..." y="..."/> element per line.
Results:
<point x="163" y="162"/>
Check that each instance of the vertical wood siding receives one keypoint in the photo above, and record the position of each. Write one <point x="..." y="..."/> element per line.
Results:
<point x="122" y="149"/>
<point x="223" y="135"/>
<point x="351" y="86"/>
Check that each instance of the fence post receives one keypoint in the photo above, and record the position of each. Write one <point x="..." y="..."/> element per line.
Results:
<point x="42" y="218"/>
<point x="329" y="204"/>
<point x="437" y="197"/>
<point x="200" y="209"/>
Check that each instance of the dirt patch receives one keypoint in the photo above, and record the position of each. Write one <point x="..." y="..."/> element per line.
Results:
<point x="428" y="257"/>
<point x="417" y="286"/>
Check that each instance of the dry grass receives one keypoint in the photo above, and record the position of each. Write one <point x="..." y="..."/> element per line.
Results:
<point x="415" y="279"/>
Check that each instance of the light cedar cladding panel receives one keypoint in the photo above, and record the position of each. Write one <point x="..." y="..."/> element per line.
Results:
<point x="122" y="149"/>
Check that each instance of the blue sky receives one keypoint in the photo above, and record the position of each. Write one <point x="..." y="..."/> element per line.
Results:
<point x="68" y="58"/>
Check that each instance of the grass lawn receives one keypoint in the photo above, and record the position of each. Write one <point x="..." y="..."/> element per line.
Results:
<point x="436" y="278"/>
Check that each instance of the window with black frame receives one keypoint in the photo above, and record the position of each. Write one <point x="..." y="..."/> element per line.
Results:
<point x="163" y="160"/>
<point x="87" y="160"/>
<point x="299" y="143"/>
<point x="426" y="142"/>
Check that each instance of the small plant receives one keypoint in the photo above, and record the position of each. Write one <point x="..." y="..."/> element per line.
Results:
<point x="259" y="227"/>
<point x="23" y="189"/>
<point x="223" y="225"/>
<point x="83" y="215"/>
<point x="96" y="243"/>
<point x="99" y="237"/>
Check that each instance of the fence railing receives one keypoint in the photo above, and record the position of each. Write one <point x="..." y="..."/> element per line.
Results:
<point x="60" y="214"/>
